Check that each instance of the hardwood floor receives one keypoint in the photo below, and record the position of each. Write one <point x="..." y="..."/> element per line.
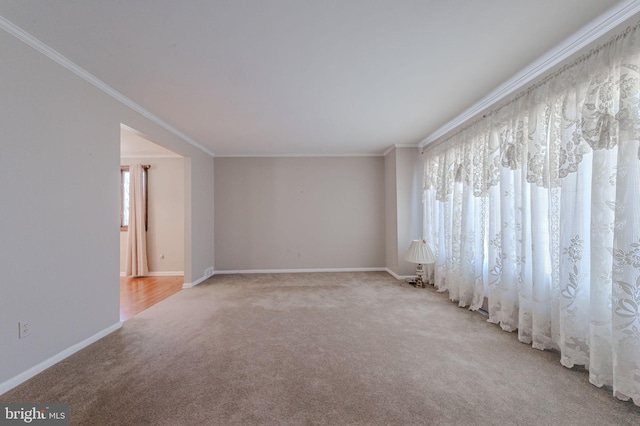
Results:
<point x="140" y="293"/>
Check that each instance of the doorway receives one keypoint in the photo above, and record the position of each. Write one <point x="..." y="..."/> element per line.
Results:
<point x="165" y="238"/>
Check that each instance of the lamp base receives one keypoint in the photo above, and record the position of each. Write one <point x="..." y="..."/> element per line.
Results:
<point x="416" y="282"/>
<point x="419" y="276"/>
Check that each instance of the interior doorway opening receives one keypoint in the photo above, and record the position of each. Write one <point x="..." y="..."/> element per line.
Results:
<point x="164" y="237"/>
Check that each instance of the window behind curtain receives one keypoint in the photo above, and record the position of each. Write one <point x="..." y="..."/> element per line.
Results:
<point x="124" y="197"/>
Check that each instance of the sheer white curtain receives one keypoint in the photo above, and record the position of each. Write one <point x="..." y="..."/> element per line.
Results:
<point x="537" y="208"/>
<point x="137" y="233"/>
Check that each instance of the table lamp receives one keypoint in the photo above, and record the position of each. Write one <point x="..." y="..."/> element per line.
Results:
<point x="419" y="252"/>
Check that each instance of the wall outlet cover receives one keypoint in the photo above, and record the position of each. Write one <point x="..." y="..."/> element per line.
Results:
<point x="24" y="330"/>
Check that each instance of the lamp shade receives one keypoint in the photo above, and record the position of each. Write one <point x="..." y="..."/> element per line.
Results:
<point x="419" y="252"/>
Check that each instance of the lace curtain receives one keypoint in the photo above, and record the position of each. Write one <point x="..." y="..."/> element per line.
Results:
<point x="537" y="208"/>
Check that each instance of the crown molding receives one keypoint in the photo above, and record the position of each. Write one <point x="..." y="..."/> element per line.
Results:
<point x="151" y="156"/>
<point x="297" y="271"/>
<point x="588" y="34"/>
<point x="388" y="150"/>
<point x="47" y="51"/>
<point x="294" y="155"/>
<point x="399" y="145"/>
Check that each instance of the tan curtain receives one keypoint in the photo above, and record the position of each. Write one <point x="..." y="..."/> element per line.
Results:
<point x="137" y="236"/>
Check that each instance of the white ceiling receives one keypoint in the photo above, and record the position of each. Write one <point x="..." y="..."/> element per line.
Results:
<point x="135" y="145"/>
<point x="306" y="77"/>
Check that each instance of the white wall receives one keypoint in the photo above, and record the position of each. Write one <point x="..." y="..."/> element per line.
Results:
<point x="409" y="203"/>
<point x="391" y="211"/>
<point x="60" y="208"/>
<point x="199" y="224"/>
<point x="403" y="206"/>
<point x="165" y="230"/>
<point x="59" y="215"/>
<point x="299" y="213"/>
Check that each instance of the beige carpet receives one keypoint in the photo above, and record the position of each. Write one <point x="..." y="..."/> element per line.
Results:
<point x="318" y="349"/>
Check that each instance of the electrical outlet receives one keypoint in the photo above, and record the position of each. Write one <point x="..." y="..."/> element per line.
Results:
<point x="24" y="330"/>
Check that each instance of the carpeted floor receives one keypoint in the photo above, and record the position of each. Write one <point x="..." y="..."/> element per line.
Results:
<point x="318" y="349"/>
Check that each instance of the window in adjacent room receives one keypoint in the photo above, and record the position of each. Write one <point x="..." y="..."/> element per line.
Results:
<point x="124" y="196"/>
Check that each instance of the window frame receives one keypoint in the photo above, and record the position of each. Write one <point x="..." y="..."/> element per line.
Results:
<point x="145" y="193"/>
<point x="123" y="169"/>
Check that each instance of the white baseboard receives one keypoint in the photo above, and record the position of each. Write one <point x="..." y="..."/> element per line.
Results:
<point x="208" y="273"/>
<point x="26" y="375"/>
<point x="399" y="277"/>
<point x="195" y="283"/>
<point x="165" y="274"/>
<point x="160" y="274"/>
<point x="294" y="271"/>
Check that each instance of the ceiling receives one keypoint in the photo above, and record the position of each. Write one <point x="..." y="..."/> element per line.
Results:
<point x="135" y="145"/>
<point x="303" y="77"/>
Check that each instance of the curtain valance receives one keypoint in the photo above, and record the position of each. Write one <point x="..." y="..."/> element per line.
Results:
<point x="536" y="208"/>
